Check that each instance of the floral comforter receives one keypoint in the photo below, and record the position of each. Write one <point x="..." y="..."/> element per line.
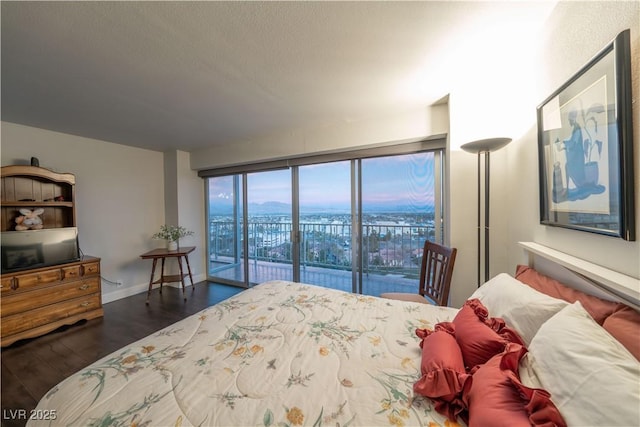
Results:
<point x="279" y="354"/>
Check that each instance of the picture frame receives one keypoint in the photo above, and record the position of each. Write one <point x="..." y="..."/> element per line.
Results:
<point x="585" y="147"/>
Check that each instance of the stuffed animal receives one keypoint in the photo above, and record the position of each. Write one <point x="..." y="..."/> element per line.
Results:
<point x="29" y="220"/>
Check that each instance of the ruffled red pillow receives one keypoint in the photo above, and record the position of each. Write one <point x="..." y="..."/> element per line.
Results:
<point x="495" y="396"/>
<point x="443" y="371"/>
<point x="479" y="336"/>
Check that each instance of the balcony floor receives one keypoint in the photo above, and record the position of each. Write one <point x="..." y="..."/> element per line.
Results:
<point x="262" y="271"/>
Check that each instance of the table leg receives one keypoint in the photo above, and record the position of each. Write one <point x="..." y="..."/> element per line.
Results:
<point x="193" y="286"/>
<point x="153" y="271"/>
<point x="182" y="278"/>
<point x="162" y="276"/>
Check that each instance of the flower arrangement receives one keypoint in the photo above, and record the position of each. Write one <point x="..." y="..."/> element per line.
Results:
<point x="172" y="233"/>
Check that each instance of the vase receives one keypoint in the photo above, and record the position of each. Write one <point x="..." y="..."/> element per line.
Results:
<point x="172" y="245"/>
<point x="591" y="175"/>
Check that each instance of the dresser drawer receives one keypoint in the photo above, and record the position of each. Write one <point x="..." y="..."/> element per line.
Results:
<point x="31" y="280"/>
<point x="23" y="301"/>
<point x="90" y="268"/>
<point x="7" y="282"/>
<point x="72" y="272"/>
<point x="49" y="314"/>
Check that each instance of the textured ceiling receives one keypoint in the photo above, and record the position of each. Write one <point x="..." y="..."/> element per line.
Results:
<point x="188" y="75"/>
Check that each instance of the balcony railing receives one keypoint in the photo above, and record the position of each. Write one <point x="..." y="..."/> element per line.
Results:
<point x="387" y="249"/>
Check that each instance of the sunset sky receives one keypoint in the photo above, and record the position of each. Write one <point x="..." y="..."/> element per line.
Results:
<point x="389" y="181"/>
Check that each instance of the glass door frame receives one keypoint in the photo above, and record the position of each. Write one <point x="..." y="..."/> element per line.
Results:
<point x="240" y="233"/>
<point x="295" y="238"/>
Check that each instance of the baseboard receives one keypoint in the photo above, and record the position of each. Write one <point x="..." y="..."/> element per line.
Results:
<point x="143" y="287"/>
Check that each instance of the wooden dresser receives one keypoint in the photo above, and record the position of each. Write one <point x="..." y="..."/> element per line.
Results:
<point x="37" y="301"/>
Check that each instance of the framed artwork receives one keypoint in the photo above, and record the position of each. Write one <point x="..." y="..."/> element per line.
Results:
<point x="585" y="147"/>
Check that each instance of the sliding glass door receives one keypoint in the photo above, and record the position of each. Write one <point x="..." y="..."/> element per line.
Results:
<point x="398" y="215"/>
<point x="325" y="225"/>
<point x="269" y="224"/>
<point x="227" y="262"/>
<point x="356" y="225"/>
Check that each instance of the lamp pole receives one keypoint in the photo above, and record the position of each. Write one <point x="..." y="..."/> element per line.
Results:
<point x="479" y="147"/>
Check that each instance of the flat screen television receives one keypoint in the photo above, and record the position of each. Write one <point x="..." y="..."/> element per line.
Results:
<point x="22" y="250"/>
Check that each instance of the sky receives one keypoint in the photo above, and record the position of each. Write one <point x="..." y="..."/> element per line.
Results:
<point x="389" y="181"/>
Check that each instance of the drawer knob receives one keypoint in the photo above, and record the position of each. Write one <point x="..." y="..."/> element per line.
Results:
<point x="83" y="287"/>
<point x="85" y="304"/>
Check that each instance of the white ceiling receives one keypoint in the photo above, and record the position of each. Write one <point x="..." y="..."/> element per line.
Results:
<point x="189" y="75"/>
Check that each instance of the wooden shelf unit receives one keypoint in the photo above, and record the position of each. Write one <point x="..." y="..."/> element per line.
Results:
<point x="36" y="301"/>
<point x="33" y="187"/>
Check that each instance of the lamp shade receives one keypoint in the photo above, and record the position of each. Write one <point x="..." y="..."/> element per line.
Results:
<point x="485" y="145"/>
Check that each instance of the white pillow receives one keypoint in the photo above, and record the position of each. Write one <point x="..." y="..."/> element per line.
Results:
<point x="527" y="375"/>
<point x="592" y="378"/>
<point x="522" y="307"/>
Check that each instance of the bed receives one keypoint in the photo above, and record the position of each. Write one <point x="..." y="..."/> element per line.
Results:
<point x="290" y="354"/>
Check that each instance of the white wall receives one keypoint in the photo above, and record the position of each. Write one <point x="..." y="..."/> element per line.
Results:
<point x="119" y="197"/>
<point x="184" y="205"/>
<point x="490" y="104"/>
<point x="422" y="122"/>
<point x="191" y="213"/>
<point x="575" y="32"/>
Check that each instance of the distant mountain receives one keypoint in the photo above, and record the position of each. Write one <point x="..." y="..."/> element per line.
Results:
<point x="269" y="208"/>
<point x="225" y="207"/>
<point x="397" y="208"/>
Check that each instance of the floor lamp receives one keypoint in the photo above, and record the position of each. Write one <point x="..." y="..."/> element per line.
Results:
<point x="484" y="146"/>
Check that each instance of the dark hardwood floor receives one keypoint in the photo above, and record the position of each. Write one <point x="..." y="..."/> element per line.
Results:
<point x="30" y="368"/>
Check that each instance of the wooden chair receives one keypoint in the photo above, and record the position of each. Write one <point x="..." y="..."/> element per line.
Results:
<point x="435" y="276"/>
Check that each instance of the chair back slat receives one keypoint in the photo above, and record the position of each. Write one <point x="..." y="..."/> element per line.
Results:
<point x="436" y="271"/>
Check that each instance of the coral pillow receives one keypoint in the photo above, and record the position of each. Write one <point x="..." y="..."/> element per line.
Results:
<point x="496" y="397"/>
<point x="624" y="326"/>
<point x="443" y="372"/>
<point x="598" y="308"/>
<point x="479" y="336"/>
<point x="620" y="320"/>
